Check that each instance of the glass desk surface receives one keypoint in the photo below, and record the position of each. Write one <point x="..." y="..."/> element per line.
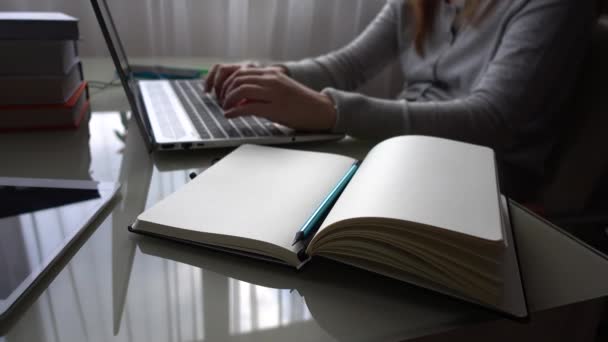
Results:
<point x="116" y="286"/>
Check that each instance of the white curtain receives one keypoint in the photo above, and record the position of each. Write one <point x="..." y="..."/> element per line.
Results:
<point x="277" y="29"/>
<point x="230" y="29"/>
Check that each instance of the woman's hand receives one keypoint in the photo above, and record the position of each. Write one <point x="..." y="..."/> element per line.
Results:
<point x="270" y="93"/>
<point x="219" y="73"/>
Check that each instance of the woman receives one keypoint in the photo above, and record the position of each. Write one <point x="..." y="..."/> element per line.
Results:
<point x="495" y="73"/>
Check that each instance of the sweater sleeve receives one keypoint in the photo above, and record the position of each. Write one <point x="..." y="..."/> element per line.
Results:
<point x="531" y="62"/>
<point x="353" y="65"/>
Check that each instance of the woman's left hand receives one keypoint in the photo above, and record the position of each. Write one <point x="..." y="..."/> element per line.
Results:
<point x="271" y="94"/>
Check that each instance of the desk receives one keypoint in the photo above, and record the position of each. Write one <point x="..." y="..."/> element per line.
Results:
<point x="116" y="286"/>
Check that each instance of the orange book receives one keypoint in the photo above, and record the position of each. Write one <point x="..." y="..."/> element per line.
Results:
<point x="66" y="115"/>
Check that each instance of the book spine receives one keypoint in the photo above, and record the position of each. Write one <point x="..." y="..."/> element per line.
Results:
<point x="70" y="121"/>
<point x="74" y="83"/>
<point x="42" y="89"/>
<point x="82" y="88"/>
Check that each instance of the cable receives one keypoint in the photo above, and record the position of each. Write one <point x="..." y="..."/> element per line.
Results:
<point x="101" y="86"/>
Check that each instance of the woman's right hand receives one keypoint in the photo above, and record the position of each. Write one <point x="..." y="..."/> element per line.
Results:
<point x="219" y="73"/>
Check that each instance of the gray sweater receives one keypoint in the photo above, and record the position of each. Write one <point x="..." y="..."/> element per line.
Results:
<point x="501" y="83"/>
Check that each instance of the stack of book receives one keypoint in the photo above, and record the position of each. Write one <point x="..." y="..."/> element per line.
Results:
<point x="41" y="79"/>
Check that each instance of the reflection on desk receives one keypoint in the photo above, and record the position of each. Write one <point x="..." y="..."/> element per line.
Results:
<point x="345" y="302"/>
<point x="30" y="153"/>
<point x="68" y="154"/>
<point x="121" y="287"/>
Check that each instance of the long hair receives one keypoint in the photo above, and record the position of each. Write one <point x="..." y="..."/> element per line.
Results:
<point x="425" y="13"/>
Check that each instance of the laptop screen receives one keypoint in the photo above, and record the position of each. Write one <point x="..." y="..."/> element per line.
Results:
<point x="112" y="39"/>
<point x="119" y="56"/>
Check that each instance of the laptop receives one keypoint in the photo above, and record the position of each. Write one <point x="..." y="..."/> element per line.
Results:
<point x="179" y="115"/>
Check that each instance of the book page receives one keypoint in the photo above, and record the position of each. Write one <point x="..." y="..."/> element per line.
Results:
<point x="511" y="299"/>
<point x="428" y="181"/>
<point x="255" y="200"/>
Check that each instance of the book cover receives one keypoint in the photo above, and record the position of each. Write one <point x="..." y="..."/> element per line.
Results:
<point x="40" y="89"/>
<point x="38" y="26"/>
<point x="32" y="58"/>
<point x="66" y="115"/>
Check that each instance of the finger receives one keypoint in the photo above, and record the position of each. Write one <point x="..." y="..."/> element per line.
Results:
<point x="210" y="78"/>
<point x="222" y="74"/>
<point x="251" y="108"/>
<point x="263" y="81"/>
<point x="246" y="92"/>
<point x="239" y="73"/>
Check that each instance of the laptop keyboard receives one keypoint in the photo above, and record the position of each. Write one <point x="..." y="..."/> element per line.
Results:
<point x="208" y="117"/>
<point x="162" y="103"/>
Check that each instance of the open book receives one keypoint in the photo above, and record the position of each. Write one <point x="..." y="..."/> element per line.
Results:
<point x="423" y="210"/>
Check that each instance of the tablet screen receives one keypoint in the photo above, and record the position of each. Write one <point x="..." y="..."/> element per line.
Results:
<point x="38" y="219"/>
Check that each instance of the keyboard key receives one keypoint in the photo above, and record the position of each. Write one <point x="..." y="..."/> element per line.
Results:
<point x="191" y="111"/>
<point x="229" y="126"/>
<point x="200" y="112"/>
<point x="213" y="112"/>
<point x="274" y="130"/>
<point x="269" y="126"/>
<point x="257" y="128"/>
<point x="243" y="128"/>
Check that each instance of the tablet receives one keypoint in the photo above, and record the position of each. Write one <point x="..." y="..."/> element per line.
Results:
<point x="39" y="220"/>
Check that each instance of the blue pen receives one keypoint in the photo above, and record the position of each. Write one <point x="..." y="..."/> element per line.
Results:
<point x="313" y="222"/>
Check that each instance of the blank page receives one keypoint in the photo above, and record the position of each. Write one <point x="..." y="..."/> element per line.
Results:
<point x="255" y="194"/>
<point x="430" y="181"/>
